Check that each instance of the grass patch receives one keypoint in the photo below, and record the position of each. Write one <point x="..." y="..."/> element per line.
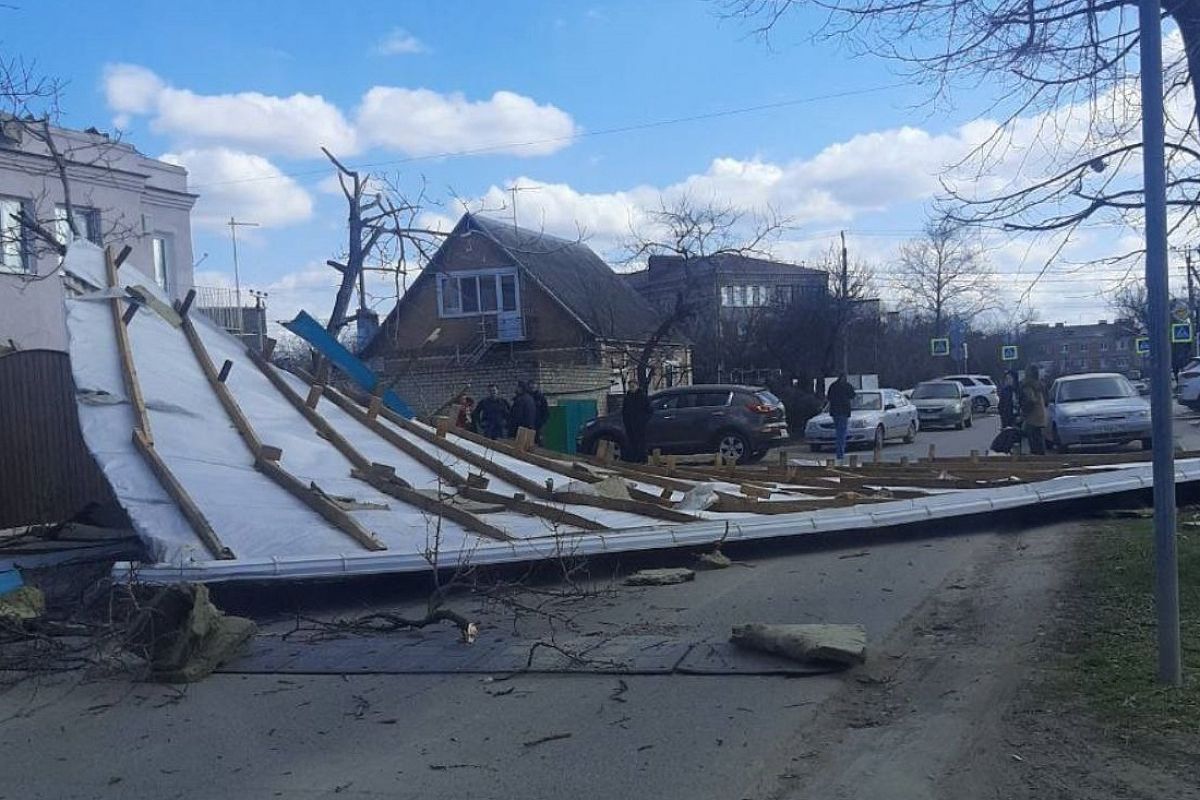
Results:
<point x="1114" y="661"/>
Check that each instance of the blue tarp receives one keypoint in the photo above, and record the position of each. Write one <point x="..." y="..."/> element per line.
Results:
<point x="315" y="334"/>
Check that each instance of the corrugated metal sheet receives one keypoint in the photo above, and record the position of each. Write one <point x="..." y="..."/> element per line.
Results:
<point x="46" y="471"/>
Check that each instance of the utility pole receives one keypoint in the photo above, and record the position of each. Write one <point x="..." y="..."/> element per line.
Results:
<point x="1191" y="273"/>
<point x="845" y="303"/>
<point x="237" y="278"/>
<point x="1166" y="586"/>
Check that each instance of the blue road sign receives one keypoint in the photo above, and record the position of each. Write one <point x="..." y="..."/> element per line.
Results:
<point x="1008" y="352"/>
<point x="939" y="347"/>
<point x="1181" y="332"/>
<point x="1141" y="345"/>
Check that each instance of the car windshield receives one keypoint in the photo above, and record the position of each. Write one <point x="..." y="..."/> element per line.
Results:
<point x="1106" y="387"/>
<point x="941" y="391"/>
<point x="866" y="401"/>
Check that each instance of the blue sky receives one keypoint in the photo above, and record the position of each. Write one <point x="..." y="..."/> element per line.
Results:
<point x="243" y="93"/>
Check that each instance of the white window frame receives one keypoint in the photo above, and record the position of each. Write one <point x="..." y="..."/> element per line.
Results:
<point x="7" y="224"/>
<point x="160" y="243"/>
<point x="445" y="279"/>
<point x="86" y="217"/>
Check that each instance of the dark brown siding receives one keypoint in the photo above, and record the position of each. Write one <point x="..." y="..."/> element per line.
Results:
<point x="46" y="472"/>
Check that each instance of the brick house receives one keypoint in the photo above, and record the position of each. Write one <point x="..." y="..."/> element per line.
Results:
<point x="498" y="304"/>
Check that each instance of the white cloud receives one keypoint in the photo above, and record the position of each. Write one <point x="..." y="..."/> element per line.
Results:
<point x="243" y="185"/>
<point x="421" y="122"/>
<point x="399" y="42"/>
<point x="297" y="125"/>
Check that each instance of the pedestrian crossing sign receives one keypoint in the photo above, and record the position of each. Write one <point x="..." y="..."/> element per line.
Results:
<point x="1141" y="345"/>
<point x="1008" y="352"/>
<point x="1181" y="332"/>
<point x="939" y="347"/>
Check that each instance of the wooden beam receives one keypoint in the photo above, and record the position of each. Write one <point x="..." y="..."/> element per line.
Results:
<point x="186" y="306"/>
<point x="631" y="506"/>
<point x="133" y="389"/>
<point x="225" y="370"/>
<point x="121" y="256"/>
<point x="554" y="514"/>
<point x="309" y="495"/>
<point x="399" y="489"/>
<point x="187" y="506"/>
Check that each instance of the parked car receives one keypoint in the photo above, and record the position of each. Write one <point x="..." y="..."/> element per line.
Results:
<point x="980" y="389"/>
<point x="740" y="422"/>
<point x="943" y="404"/>
<point x="1188" y="385"/>
<point x="1098" y="408"/>
<point x="875" y="417"/>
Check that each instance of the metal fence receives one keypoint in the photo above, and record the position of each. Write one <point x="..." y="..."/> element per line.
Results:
<point x="220" y="304"/>
<point x="46" y="471"/>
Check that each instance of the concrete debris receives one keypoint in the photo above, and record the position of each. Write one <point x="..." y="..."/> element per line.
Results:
<point x="699" y="498"/>
<point x="660" y="577"/>
<point x="184" y="636"/>
<point x="839" y="644"/>
<point x="612" y="487"/>
<point x="714" y="560"/>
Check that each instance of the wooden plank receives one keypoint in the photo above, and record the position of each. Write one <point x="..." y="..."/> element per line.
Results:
<point x="309" y="495"/>
<point x="554" y="514"/>
<point x="631" y="506"/>
<point x="133" y="389"/>
<point x="401" y="491"/>
<point x="191" y="512"/>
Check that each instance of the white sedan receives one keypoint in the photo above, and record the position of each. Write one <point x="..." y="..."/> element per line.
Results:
<point x="875" y="417"/>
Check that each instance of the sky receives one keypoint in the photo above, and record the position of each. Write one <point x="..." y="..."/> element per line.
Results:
<point x="598" y="111"/>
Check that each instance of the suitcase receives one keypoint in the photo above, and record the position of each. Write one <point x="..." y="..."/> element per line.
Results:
<point x="1006" y="440"/>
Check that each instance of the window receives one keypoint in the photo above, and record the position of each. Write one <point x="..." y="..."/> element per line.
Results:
<point x="1122" y="344"/>
<point x="1066" y="348"/>
<point x="1103" y="347"/>
<point x="483" y="292"/>
<point x="87" y="222"/>
<point x="14" y="256"/>
<point x="709" y="399"/>
<point x="158" y="249"/>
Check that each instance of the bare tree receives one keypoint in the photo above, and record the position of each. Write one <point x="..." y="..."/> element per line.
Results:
<point x="945" y="273"/>
<point x="381" y="225"/>
<point x="1068" y="113"/>
<point x="692" y="232"/>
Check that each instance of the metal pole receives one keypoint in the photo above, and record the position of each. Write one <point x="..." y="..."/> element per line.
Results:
<point x="1166" y="594"/>
<point x="1191" y="276"/>
<point x="845" y="306"/>
<point x="237" y="278"/>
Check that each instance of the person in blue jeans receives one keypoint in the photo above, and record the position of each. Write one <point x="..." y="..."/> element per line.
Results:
<point x="840" y="395"/>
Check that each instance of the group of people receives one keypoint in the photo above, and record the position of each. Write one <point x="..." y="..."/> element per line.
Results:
<point x="1023" y="407"/>
<point x="498" y="418"/>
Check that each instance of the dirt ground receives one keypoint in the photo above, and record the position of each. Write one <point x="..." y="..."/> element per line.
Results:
<point x="975" y="705"/>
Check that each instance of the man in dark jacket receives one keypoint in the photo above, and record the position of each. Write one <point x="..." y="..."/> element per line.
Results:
<point x="1009" y="410"/>
<point x="635" y="415"/>
<point x="542" y="409"/>
<point x="491" y="414"/>
<point x="524" y="410"/>
<point x="840" y="394"/>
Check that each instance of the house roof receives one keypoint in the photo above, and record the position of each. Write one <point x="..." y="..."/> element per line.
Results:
<point x="570" y="272"/>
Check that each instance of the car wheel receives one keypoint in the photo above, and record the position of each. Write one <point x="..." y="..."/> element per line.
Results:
<point x="980" y="405"/>
<point x="970" y="421"/>
<point x="911" y="436"/>
<point x="733" y="447"/>
<point x="1147" y="444"/>
<point x="880" y="438"/>
<point x="962" y="423"/>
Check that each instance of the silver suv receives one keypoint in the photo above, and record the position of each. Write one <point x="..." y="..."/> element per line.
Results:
<point x="979" y="388"/>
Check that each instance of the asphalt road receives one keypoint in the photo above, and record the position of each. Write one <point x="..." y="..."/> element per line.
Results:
<point x="979" y="437"/>
<point x="542" y="736"/>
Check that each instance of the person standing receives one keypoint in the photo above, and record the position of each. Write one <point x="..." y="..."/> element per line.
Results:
<point x="1033" y="410"/>
<point x="524" y="410"/>
<point x="840" y="395"/>
<point x="1008" y="399"/>
<point x="541" y="409"/>
<point x="635" y="415"/>
<point x="465" y="416"/>
<point x="491" y="414"/>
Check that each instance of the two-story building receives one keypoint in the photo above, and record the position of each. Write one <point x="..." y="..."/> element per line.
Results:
<point x="119" y="197"/>
<point x="1066" y="349"/>
<point x="498" y="303"/>
<point x="727" y="293"/>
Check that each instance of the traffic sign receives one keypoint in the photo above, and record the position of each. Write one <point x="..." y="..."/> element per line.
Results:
<point x="1179" y="310"/>
<point x="1008" y="352"/>
<point x="1181" y="332"/>
<point x="1141" y="345"/>
<point x="939" y="347"/>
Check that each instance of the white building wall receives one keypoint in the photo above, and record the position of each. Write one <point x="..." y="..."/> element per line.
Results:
<point x="136" y="198"/>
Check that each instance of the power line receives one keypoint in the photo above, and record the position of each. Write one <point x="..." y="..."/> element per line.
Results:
<point x="637" y="126"/>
